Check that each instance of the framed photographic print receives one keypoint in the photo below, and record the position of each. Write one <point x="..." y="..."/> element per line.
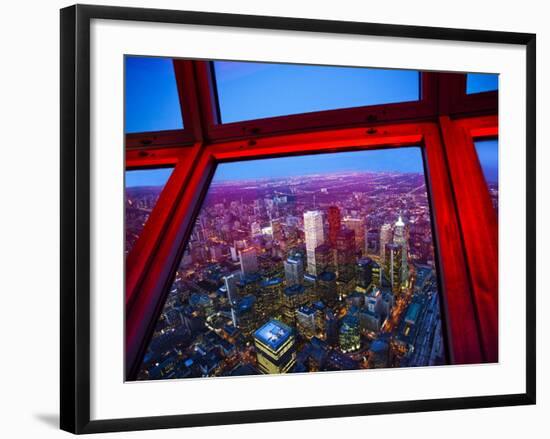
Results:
<point x="269" y="218"/>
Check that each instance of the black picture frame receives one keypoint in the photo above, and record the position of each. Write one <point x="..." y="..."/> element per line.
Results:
<point x="75" y="217"/>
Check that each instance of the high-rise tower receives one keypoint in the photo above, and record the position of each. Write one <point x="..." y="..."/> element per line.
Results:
<point x="314" y="236"/>
<point x="385" y="238"/>
<point x="333" y="224"/>
<point x="400" y="237"/>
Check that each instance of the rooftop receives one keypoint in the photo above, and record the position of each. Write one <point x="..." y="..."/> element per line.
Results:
<point x="273" y="334"/>
<point x="271" y="282"/>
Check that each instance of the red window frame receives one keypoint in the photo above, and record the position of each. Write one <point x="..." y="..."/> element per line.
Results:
<point x="465" y="226"/>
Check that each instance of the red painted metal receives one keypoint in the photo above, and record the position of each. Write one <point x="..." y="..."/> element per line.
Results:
<point x="146" y="303"/>
<point x="333" y="119"/>
<point x="459" y="313"/>
<point x="467" y="246"/>
<point x="152" y="139"/>
<point x="144" y="250"/>
<point x="453" y="100"/>
<point x="478" y="221"/>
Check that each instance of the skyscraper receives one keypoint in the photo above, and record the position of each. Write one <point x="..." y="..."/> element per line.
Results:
<point x="372" y="242"/>
<point x="333" y="224"/>
<point x="358" y="226"/>
<point x="393" y="265"/>
<point x="294" y="270"/>
<point x="249" y="261"/>
<point x="368" y="274"/>
<point x="324" y="258"/>
<point x="400" y="237"/>
<point x="305" y="321"/>
<point x="385" y="238"/>
<point x="231" y="287"/>
<point x="345" y="254"/>
<point x="275" y="347"/>
<point x="349" y="335"/>
<point x="313" y="226"/>
<point x="327" y="288"/>
<point x="232" y="290"/>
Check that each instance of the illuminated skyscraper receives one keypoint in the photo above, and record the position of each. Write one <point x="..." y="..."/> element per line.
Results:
<point x="249" y="261"/>
<point x="244" y="311"/>
<point x="293" y="297"/>
<point x="349" y="335"/>
<point x="393" y="266"/>
<point x="333" y="224"/>
<point x="400" y="237"/>
<point x="305" y="321"/>
<point x="270" y="295"/>
<point x="313" y="226"/>
<point x="294" y="271"/>
<point x="368" y="274"/>
<point x="275" y="347"/>
<point x="231" y="287"/>
<point x="385" y="238"/>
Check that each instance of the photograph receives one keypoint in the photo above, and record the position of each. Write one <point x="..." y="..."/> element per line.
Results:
<point x="304" y="263"/>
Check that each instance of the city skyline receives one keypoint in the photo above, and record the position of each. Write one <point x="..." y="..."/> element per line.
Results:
<point x="329" y="271"/>
<point x="402" y="160"/>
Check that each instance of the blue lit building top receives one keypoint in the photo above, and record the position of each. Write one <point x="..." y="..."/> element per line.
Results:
<point x="271" y="282"/>
<point x="306" y="310"/>
<point x="319" y="305"/>
<point x="273" y="334"/>
<point x="245" y="304"/>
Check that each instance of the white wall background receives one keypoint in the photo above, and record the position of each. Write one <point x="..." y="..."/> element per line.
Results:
<point x="29" y="218"/>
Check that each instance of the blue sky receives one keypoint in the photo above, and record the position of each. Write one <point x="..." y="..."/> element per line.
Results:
<point x="147" y="177"/>
<point x="487" y="151"/>
<point x="479" y="82"/>
<point x="258" y="90"/>
<point x="152" y="102"/>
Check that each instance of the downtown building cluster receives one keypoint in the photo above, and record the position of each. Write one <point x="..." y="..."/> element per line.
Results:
<point x="318" y="273"/>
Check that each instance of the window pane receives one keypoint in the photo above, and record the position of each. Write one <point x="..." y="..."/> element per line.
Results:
<point x="143" y="188"/>
<point x="309" y="263"/>
<point x="258" y="90"/>
<point x="487" y="152"/>
<point x="480" y="82"/>
<point x="152" y="101"/>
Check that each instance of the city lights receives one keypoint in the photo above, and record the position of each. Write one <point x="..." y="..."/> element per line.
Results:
<point x="322" y="268"/>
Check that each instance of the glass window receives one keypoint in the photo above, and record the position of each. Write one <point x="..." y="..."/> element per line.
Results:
<point x="480" y="82"/>
<point x="249" y="90"/>
<point x="151" y="98"/>
<point x="487" y="153"/>
<point x="143" y="188"/>
<point x="302" y="264"/>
